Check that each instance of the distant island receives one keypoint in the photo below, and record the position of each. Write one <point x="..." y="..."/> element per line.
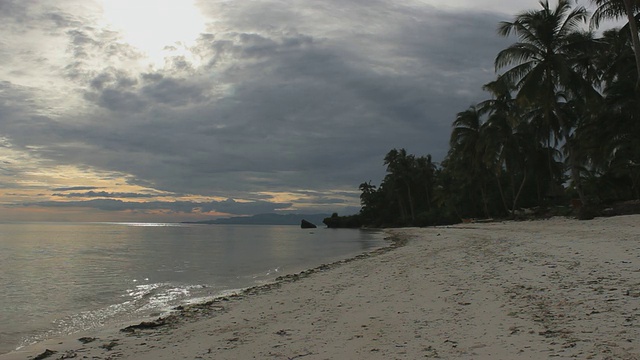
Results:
<point x="266" y="219"/>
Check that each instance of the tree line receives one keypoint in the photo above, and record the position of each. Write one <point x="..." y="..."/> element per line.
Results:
<point x="561" y="123"/>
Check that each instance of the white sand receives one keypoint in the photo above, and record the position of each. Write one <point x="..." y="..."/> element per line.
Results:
<point x="515" y="290"/>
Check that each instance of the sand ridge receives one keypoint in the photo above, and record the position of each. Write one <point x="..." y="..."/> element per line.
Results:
<point x="557" y="288"/>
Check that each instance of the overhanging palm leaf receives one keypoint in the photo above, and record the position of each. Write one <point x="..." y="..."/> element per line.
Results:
<point x="616" y="9"/>
<point x="611" y="9"/>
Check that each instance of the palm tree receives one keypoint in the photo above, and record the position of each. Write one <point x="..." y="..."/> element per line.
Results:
<point x="616" y="9"/>
<point x="508" y="140"/>
<point x="610" y="136"/>
<point x="467" y="147"/>
<point x="541" y="65"/>
<point x="615" y="58"/>
<point x="401" y="169"/>
<point x="426" y="172"/>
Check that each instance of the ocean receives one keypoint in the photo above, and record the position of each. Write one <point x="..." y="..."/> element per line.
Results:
<point x="60" y="278"/>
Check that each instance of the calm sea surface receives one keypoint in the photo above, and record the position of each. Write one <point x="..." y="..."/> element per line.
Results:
<point x="58" y="278"/>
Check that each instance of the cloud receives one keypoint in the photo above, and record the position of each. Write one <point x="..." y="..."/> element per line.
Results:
<point x="105" y="194"/>
<point x="228" y="206"/>
<point x="15" y="10"/>
<point x="276" y="96"/>
<point x="174" y="91"/>
<point x="75" y="188"/>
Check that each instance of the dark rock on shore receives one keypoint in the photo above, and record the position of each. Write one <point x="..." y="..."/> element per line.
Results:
<point x="47" y="353"/>
<point x="86" y="339"/>
<point x="145" y="325"/>
<point x="307" y="225"/>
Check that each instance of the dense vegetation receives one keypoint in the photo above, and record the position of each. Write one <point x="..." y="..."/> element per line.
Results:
<point x="561" y="124"/>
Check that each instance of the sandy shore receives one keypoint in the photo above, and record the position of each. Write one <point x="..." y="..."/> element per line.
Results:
<point x="516" y="290"/>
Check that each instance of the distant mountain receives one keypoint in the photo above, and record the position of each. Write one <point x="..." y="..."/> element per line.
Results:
<point x="268" y="219"/>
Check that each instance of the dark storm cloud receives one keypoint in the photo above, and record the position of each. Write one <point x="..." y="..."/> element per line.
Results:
<point x="81" y="43"/>
<point x="15" y="10"/>
<point x="10" y="96"/>
<point x="119" y="91"/>
<point x="118" y="100"/>
<point x="63" y="20"/>
<point x="174" y="92"/>
<point x="289" y="95"/>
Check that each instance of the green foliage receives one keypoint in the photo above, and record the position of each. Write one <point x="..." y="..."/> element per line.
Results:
<point x="566" y="106"/>
<point x="335" y="221"/>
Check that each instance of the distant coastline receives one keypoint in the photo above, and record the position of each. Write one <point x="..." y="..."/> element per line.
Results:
<point x="266" y="219"/>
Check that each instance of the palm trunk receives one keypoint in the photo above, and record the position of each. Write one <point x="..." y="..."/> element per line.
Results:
<point x="539" y="191"/>
<point x="573" y="162"/>
<point x="411" y="207"/>
<point x="575" y="169"/>
<point x="633" y="28"/>
<point x="484" y="202"/>
<point x="403" y="212"/>
<point x="504" y="200"/>
<point x="513" y="187"/>
<point x="577" y="182"/>
<point x="517" y="195"/>
<point x="427" y="190"/>
<point x="634" y="185"/>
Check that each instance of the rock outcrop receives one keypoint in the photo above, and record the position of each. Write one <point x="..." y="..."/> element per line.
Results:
<point x="307" y="225"/>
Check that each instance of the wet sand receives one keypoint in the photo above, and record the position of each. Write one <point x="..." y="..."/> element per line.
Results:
<point x="557" y="288"/>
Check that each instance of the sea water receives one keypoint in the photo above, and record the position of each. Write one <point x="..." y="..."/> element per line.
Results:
<point x="60" y="278"/>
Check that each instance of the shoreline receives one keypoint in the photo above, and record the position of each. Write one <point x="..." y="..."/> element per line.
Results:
<point x="185" y="313"/>
<point x="182" y="313"/>
<point x="506" y="290"/>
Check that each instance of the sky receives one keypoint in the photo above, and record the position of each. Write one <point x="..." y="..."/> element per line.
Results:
<point x="176" y="110"/>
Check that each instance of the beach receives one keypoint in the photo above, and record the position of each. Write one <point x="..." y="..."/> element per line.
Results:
<point x="555" y="288"/>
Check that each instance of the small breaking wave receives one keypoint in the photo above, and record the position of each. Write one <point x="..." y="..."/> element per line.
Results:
<point x="141" y="301"/>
